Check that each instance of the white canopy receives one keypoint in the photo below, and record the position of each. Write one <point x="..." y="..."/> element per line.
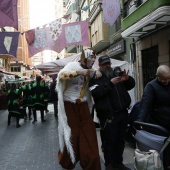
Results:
<point x="55" y="66"/>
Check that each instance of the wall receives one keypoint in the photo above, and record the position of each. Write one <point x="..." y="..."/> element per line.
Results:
<point x="162" y="39"/>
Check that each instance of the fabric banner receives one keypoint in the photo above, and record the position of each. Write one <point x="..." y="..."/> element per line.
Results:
<point x="75" y="33"/>
<point x="8" y="13"/>
<point x="55" y="29"/>
<point x="56" y="39"/>
<point x="9" y="43"/>
<point x="111" y="11"/>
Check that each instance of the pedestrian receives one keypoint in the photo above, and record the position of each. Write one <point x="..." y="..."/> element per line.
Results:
<point x="111" y="98"/>
<point x="77" y="134"/>
<point x="13" y="98"/>
<point x="53" y="96"/>
<point x="38" y="96"/>
<point x="26" y="100"/>
<point x="155" y="103"/>
<point x="46" y="96"/>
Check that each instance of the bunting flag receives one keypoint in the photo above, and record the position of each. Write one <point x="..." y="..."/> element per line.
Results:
<point x="9" y="43"/>
<point x="111" y="11"/>
<point x="75" y="33"/>
<point x="57" y="37"/>
<point x="8" y="13"/>
<point x="55" y="29"/>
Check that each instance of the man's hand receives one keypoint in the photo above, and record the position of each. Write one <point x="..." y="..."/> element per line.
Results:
<point x="98" y="74"/>
<point x="83" y="72"/>
<point x="125" y="75"/>
<point x="116" y="80"/>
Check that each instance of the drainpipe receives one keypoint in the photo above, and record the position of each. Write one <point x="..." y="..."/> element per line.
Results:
<point x="133" y="51"/>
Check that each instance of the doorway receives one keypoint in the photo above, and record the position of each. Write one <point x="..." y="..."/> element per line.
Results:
<point x="149" y="64"/>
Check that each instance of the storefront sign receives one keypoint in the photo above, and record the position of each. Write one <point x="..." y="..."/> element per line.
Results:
<point x="117" y="48"/>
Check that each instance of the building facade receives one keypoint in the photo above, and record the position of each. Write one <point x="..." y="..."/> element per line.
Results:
<point x="148" y="23"/>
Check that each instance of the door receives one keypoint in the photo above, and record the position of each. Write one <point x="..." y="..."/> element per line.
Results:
<point x="149" y="64"/>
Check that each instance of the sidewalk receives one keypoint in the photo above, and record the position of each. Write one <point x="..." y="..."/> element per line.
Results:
<point x="35" y="146"/>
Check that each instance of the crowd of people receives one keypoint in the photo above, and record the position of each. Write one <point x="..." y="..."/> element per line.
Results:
<point x="74" y="91"/>
<point x="34" y="96"/>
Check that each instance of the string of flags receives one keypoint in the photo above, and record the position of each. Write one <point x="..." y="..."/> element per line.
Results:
<point x="57" y="36"/>
<point x="54" y="35"/>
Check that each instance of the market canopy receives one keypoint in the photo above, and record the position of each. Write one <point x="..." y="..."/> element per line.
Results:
<point x="55" y="66"/>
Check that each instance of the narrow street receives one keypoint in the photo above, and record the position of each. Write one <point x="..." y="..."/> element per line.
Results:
<point x="35" y="146"/>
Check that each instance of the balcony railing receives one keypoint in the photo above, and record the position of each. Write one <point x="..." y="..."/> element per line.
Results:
<point x="131" y="6"/>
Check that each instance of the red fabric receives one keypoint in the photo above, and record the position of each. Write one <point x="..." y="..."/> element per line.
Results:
<point x="30" y="36"/>
<point x="19" y="102"/>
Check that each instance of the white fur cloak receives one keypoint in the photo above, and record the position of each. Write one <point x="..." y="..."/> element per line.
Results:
<point x="64" y="130"/>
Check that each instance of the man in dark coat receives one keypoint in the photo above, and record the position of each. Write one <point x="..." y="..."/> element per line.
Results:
<point x="155" y="104"/>
<point x="111" y="102"/>
<point x="53" y="94"/>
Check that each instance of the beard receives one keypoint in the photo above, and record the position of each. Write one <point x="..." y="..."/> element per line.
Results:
<point x="108" y="73"/>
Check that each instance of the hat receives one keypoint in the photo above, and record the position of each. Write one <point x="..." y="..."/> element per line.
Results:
<point x="104" y="59"/>
<point x="86" y="53"/>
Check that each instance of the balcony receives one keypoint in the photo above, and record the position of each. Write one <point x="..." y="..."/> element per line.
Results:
<point x="149" y="16"/>
<point x="94" y="11"/>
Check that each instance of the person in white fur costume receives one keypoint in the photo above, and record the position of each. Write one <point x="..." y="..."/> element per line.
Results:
<point x="77" y="134"/>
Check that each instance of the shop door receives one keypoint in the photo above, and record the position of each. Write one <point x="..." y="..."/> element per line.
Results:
<point x="149" y="64"/>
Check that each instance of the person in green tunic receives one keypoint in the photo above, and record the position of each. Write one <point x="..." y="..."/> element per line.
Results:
<point x="26" y="94"/>
<point x="38" y="96"/>
<point x="13" y="98"/>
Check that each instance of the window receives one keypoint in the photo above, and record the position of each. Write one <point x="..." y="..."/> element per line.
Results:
<point x="15" y="69"/>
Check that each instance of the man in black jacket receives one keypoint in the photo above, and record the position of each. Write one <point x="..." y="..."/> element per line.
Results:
<point x="155" y="103"/>
<point x="53" y="94"/>
<point x="111" y="102"/>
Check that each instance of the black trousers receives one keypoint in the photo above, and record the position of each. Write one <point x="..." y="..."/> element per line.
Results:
<point x="35" y="114"/>
<point x="55" y="103"/>
<point x="113" y="137"/>
<point x="13" y="115"/>
<point x="29" y="111"/>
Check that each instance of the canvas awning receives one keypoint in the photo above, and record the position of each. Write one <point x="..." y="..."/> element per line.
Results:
<point x="55" y="66"/>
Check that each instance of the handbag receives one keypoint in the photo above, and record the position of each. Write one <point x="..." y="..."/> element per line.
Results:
<point x="147" y="160"/>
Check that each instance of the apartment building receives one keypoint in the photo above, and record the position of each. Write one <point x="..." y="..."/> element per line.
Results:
<point x="147" y="22"/>
<point x="22" y="62"/>
<point x="140" y="35"/>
